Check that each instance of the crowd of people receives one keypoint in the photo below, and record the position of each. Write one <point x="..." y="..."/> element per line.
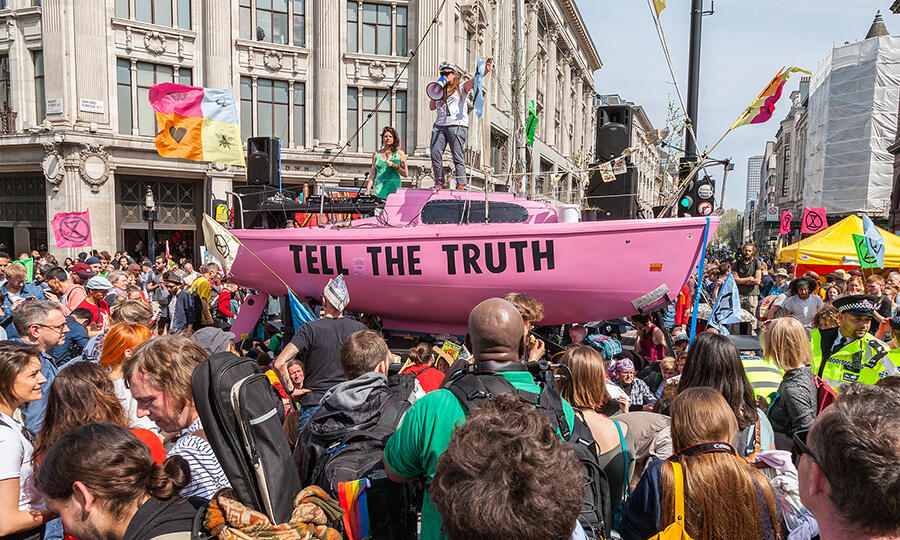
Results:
<point x="492" y="436"/>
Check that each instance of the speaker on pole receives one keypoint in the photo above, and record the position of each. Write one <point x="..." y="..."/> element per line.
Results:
<point x="263" y="161"/>
<point x="616" y="199"/>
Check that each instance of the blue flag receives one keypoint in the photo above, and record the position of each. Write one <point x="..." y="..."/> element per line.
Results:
<point x="299" y="312"/>
<point x="727" y="307"/>
<point x="874" y="240"/>
<point x="479" y="92"/>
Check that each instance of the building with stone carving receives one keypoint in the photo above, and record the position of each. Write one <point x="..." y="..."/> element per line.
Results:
<point x="77" y="131"/>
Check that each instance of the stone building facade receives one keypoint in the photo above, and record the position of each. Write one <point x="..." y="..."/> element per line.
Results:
<point x="77" y="130"/>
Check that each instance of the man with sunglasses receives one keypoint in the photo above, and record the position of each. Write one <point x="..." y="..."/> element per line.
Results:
<point x="849" y="465"/>
<point x="451" y="127"/>
<point x="41" y="323"/>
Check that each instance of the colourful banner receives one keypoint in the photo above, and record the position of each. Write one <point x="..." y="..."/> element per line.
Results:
<point x="764" y="106"/>
<point x="199" y="124"/>
<point x="866" y="258"/>
<point x="352" y="499"/>
<point x="813" y="220"/>
<point x="874" y="240"/>
<point x="785" y="226"/>
<point x="531" y="124"/>
<point x="72" y="229"/>
<point x="29" y="268"/>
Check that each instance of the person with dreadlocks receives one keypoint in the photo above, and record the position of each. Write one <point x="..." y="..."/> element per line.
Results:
<point x="452" y="123"/>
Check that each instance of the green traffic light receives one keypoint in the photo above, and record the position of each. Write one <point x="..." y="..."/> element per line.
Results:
<point x="685" y="202"/>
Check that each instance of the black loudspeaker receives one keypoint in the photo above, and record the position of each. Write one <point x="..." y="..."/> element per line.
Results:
<point x="263" y="161"/>
<point x="616" y="199"/>
<point x="613" y="131"/>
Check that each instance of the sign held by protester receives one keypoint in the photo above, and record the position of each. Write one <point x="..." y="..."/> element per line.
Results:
<point x="727" y="308"/>
<point x="72" y="229"/>
<point x="813" y="220"/>
<point x="874" y="241"/>
<point x="865" y="256"/>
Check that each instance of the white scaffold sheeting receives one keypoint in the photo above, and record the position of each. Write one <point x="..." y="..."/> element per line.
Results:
<point x="852" y="119"/>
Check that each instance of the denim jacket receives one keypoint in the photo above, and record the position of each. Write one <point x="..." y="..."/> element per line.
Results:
<point x="29" y="290"/>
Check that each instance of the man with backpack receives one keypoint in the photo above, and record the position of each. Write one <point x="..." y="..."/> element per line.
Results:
<point x="202" y="294"/>
<point x="497" y="341"/>
<point x="344" y="439"/>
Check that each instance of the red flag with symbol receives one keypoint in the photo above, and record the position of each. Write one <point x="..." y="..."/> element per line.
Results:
<point x="785" y="226"/>
<point x="813" y="220"/>
<point x="72" y="229"/>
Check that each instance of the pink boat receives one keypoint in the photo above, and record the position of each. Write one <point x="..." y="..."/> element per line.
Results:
<point x="429" y="257"/>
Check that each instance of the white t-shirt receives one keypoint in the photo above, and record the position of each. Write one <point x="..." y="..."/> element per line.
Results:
<point x="803" y="310"/>
<point x="15" y="462"/>
<point x="454" y="112"/>
<point x="130" y="405"/>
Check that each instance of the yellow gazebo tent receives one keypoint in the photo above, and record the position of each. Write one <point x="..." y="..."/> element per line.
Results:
<point x="833" y="248"/>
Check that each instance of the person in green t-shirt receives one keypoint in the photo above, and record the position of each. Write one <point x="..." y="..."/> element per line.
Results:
<point x="388" y="165"/>
<point x="496" y="334"/>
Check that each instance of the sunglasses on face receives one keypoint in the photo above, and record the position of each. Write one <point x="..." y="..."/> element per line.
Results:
<point x="800" y="447"/>
<point x="446" y="72"/>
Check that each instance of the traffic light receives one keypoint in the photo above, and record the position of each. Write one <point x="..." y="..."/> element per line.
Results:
<point x="698" y="198"/>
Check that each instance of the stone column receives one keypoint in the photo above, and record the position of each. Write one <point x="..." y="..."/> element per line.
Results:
<point x="426" y="66"/>
<point x="552" y="86"/>
<point x="216" y="33"/>
<point x="91" y="80"/>
<point x="579" y="116"/>
<point x="326" y="74"/>
<point x="566" y="107"/>
<point x="531" y="50"/>
<point x="55" y="29"/>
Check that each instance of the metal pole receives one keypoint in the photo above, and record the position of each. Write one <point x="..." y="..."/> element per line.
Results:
<point x="699" y="286"/>
<point x="151" y="241"/>
<point x="518" y="88"/>
<point x="693" y="93"/>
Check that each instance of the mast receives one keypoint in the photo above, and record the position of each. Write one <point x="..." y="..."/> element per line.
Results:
<point x="518" y="109"/>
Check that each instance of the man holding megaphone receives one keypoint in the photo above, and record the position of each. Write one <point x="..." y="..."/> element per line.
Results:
<point x="448" y="98"/>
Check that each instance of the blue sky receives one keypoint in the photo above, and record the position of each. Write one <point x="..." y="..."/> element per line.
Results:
<point x="744" y="45"/>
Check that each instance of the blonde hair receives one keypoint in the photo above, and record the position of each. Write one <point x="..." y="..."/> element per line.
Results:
<point x="785" y="343"/>
<point x="167" y="362"/>
<point x="667" y="362"/>
<point x="531" y="310"/>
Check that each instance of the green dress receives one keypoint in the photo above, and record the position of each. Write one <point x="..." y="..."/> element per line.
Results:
<point x="387" y="178"/>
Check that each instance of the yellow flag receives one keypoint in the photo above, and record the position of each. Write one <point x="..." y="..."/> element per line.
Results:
<point x="659" y="5"/>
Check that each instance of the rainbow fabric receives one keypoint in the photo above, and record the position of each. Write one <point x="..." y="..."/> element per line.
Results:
<point x="199" y="124"/>
<point x="764" y="106"/>
<point x="352" y="498"/>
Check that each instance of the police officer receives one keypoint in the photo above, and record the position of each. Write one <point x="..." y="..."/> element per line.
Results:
<point x="849" y="353"/>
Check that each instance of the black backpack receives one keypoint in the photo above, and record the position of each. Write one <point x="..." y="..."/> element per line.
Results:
<point x="338" y="445"/>
<point x="477" y="382"/>
<point x="242" y="417"/>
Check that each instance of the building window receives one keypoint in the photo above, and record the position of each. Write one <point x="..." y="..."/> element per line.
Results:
<point x="470" y="41"/>
<point x="299" y="28"/>
<point x="246" y="107"/>
<point x="402" y="24"/>
<point x="156" y="12"/>
<point x="272" y="109"/>
<point x="274" y="21"/>
<point x="186" y="76"/>
<point x="498" y="152"/>
<point x="123" y="91"/>
<point x="299" y="115"/>
<point x="148" y="75"/>
<point x="363" y="103"/>
<point x="184" y="14"/>
<point x="352" y="118"/>
<point x="40" y="102"/>
<point x="786" y="165"/>
<point x="372" y="34"/>
<point x="400" y="117"/>
<point x="5" y="102"/>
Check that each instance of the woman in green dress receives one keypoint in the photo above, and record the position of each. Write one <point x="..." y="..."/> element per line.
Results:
<point x="388" y="165"/>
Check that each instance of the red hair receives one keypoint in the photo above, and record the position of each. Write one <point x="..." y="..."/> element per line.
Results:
<point x="121" y="337"/>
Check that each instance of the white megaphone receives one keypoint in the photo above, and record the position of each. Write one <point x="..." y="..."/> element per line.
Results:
<point x="435" y="90"/>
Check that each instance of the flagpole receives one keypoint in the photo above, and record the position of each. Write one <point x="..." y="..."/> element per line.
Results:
<point x="698" y="285"/>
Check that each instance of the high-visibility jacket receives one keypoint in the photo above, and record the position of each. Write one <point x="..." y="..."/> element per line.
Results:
<point x="764" y="375"/>
<point x="856" y="361"/>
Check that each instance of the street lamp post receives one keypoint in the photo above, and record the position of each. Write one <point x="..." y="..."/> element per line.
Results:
<point x="150" y="212"/>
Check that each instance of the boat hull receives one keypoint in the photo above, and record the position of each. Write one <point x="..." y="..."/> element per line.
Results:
<point x="429" y="277"/>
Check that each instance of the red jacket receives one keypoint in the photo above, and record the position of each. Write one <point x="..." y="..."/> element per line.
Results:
<point x="682" y="305"/>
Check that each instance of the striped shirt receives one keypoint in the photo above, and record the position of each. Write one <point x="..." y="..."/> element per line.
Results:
<point x="207" y="476"/>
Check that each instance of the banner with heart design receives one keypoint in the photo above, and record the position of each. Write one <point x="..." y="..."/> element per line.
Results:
<point x="199" y="124"/>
